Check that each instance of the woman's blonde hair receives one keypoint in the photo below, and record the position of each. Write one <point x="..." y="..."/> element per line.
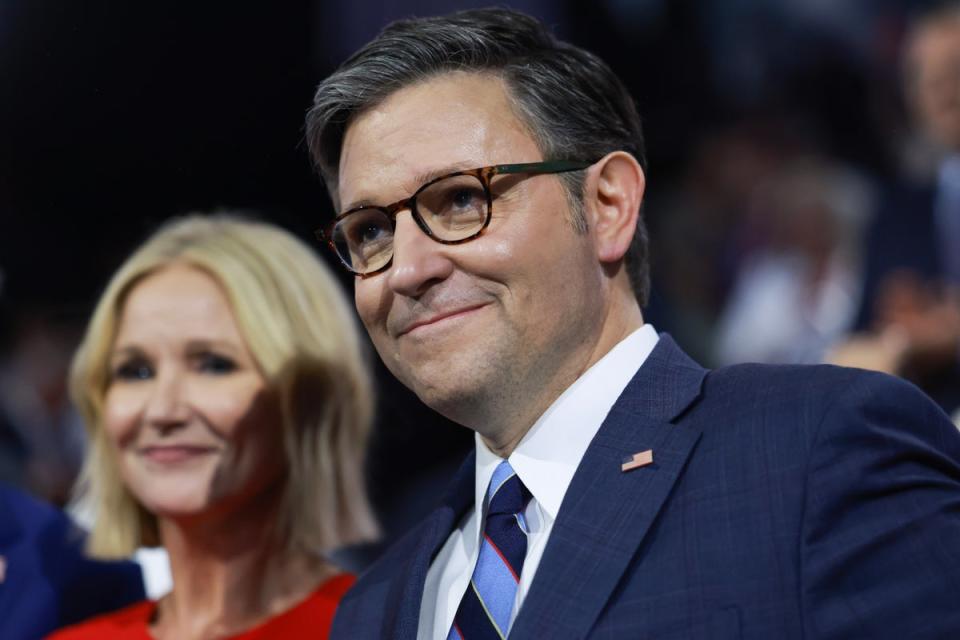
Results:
<point x="302" y="333"/>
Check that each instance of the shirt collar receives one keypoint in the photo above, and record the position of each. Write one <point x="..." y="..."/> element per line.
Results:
<point x="548" y="455"/>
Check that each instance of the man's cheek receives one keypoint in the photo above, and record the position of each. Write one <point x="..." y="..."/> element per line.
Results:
<point x="364" y="309"/>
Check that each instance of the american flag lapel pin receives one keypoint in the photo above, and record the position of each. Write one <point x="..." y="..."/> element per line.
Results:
<point x="637" y="460"/>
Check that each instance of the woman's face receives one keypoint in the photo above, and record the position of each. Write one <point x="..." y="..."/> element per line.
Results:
<point x="193" y="425"/>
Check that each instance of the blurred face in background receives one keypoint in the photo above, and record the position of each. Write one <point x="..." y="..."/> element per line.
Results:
<point x="193" y="424"/>
<point x="933" y="76"/>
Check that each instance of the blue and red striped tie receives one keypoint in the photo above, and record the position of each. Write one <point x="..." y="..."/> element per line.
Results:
<point x="487" y="604"/>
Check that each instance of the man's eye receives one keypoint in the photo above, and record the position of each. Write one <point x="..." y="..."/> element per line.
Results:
<point x="463" y="198"/>
<point x="368" y="233"/>
<point x="133" y="371"/>
<point x="213" y="363"/>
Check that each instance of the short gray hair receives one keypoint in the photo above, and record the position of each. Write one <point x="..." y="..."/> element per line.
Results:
<point x="575" y="107"/>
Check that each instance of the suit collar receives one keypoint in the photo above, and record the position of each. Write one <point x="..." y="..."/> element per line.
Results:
<point x="665" y="386"/>
<point x="547" y="456"/>
<point x="607" y="513"/>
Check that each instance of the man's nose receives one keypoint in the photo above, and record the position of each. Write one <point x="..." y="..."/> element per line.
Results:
<point x="418" y="261"/>
<point x="167" y="406"/>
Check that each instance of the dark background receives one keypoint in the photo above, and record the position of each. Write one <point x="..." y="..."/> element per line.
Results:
<point x="115" y="116"/>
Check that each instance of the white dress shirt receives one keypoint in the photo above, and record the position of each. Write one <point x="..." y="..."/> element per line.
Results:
<point x="545" y="459"/>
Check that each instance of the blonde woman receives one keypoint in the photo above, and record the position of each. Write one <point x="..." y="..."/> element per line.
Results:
<point x="223" y="385"/>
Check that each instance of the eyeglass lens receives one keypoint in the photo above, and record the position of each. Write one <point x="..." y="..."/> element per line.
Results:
<point x="453" y="208"/>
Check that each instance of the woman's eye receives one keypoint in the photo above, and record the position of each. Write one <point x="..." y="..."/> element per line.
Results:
<point x="213" y="363"/>
<point x="133" y="371"/>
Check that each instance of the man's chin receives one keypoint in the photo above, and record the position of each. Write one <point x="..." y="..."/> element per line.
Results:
<point x="458" y="402"/>
<point x="456" y="386"/>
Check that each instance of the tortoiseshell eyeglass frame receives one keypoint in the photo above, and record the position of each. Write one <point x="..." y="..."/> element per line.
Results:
<point x="483" y="174"/>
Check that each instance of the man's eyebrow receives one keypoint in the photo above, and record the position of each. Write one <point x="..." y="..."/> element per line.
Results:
<point x="416" y="182"/>
<point x="357" y="204"/>
<point x="422" y="178"/>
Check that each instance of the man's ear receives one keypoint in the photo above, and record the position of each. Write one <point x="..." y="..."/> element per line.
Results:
<point x="614" y="191"/>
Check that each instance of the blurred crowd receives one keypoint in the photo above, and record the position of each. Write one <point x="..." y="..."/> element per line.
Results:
<point x="772" y="248"/>
<point x="41" y="435"/>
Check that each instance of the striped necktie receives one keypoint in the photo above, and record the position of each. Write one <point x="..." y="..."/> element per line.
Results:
<point x="486" y="606"/>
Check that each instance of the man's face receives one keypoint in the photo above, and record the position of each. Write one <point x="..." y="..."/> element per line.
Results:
<point x="935" y="76"/>
<point x="490" y="327"/>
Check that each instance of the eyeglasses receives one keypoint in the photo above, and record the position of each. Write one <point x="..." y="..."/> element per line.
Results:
<point x="451" y="209"/>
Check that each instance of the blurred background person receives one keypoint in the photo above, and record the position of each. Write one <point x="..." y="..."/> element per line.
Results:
<point x="222" y="382"/>
<point x="911" y="305"/>
<point x="46" y="580"/>
<point x="44" y="428"/>
<point x="797" y="291"/>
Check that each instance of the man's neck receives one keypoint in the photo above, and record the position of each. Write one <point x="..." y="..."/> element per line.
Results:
<point x="514" y="424"/>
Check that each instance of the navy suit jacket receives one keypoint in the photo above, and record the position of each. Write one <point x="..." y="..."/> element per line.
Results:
<point x="48" y="582"/>
<point x="783" y="502"/>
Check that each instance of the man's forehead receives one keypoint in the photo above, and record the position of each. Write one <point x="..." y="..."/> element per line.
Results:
<point x="446" y="123"/>
<point x="467" y="102"/>
<point x="409" y="186"/>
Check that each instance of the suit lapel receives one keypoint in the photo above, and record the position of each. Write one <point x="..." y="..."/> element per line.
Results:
<point x="407" y="589"/>
<point x="606" y="512"/>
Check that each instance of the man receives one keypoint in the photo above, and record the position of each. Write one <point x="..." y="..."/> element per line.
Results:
<point x="617" y="489"/>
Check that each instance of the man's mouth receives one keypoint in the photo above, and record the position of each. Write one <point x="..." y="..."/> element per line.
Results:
<point x="436" y="319"/>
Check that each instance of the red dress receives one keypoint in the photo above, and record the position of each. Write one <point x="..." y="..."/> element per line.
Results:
<point x="309" y="619"/>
